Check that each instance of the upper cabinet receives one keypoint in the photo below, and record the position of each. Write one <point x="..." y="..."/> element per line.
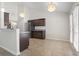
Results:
<point x="39" y="22"/>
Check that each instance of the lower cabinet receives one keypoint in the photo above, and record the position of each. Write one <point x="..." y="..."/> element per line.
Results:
<point x="24" y="41"/>
<point x="38" y="34"/>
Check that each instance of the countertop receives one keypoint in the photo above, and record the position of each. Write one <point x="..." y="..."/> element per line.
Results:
<point x="3" y="29"/>
<point x="38" y="30"/>
<point x="25" y="32"/>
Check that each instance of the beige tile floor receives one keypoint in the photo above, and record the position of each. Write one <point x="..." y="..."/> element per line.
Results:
<point x="48" y="48"/>
<point x="39" y="47"/>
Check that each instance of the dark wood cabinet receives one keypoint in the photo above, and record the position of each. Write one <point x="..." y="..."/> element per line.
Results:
<point x="24" y="41"/>
<point x="38" y="34"/>
<point x="39" y="22"/>
<point x="6" y="18"/>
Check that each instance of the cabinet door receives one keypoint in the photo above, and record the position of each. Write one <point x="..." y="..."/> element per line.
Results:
<point x="6" y="18"/>
<point x="35" y="22"/>
<point x="24" y="41"/>
<point x="42" y="22"/>
<point x="39" y="22"/>
<point x="38" y="34"/>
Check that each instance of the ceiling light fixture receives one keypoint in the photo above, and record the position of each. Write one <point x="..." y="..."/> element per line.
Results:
<point x="51" y="7"/>
<point x="22" y="15"/>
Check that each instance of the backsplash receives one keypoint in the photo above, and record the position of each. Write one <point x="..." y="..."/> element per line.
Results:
<point x="40" y="28"/>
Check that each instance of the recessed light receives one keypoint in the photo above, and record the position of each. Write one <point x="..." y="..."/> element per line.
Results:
<point x="2" y="9"/>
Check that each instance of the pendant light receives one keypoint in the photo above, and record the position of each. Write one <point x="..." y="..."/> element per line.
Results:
<point x="51" y="7"/>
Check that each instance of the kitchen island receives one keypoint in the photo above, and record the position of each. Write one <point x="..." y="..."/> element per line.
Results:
<point x="14" y="41"/>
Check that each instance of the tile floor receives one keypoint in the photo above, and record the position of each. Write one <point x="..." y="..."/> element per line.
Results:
<point x="39" y="47"/>
<point x="48" y="48"/>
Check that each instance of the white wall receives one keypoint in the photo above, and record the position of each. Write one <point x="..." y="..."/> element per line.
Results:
<point x="0" y="14"/>
<point x="21" y="23"/>
<point x="11" y="8"/>
<point x="35" y="14"/>
<point x="57" y="24"/>
<point x="14" y="10"/>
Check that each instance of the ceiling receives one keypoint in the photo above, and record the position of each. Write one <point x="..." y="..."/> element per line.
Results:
<point x="42" y="6"/>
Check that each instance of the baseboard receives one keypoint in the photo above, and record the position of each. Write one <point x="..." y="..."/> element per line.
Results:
<point x="76" y="53"/>
<point x="16" y="54"/>
<point x="58" y="39"/>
